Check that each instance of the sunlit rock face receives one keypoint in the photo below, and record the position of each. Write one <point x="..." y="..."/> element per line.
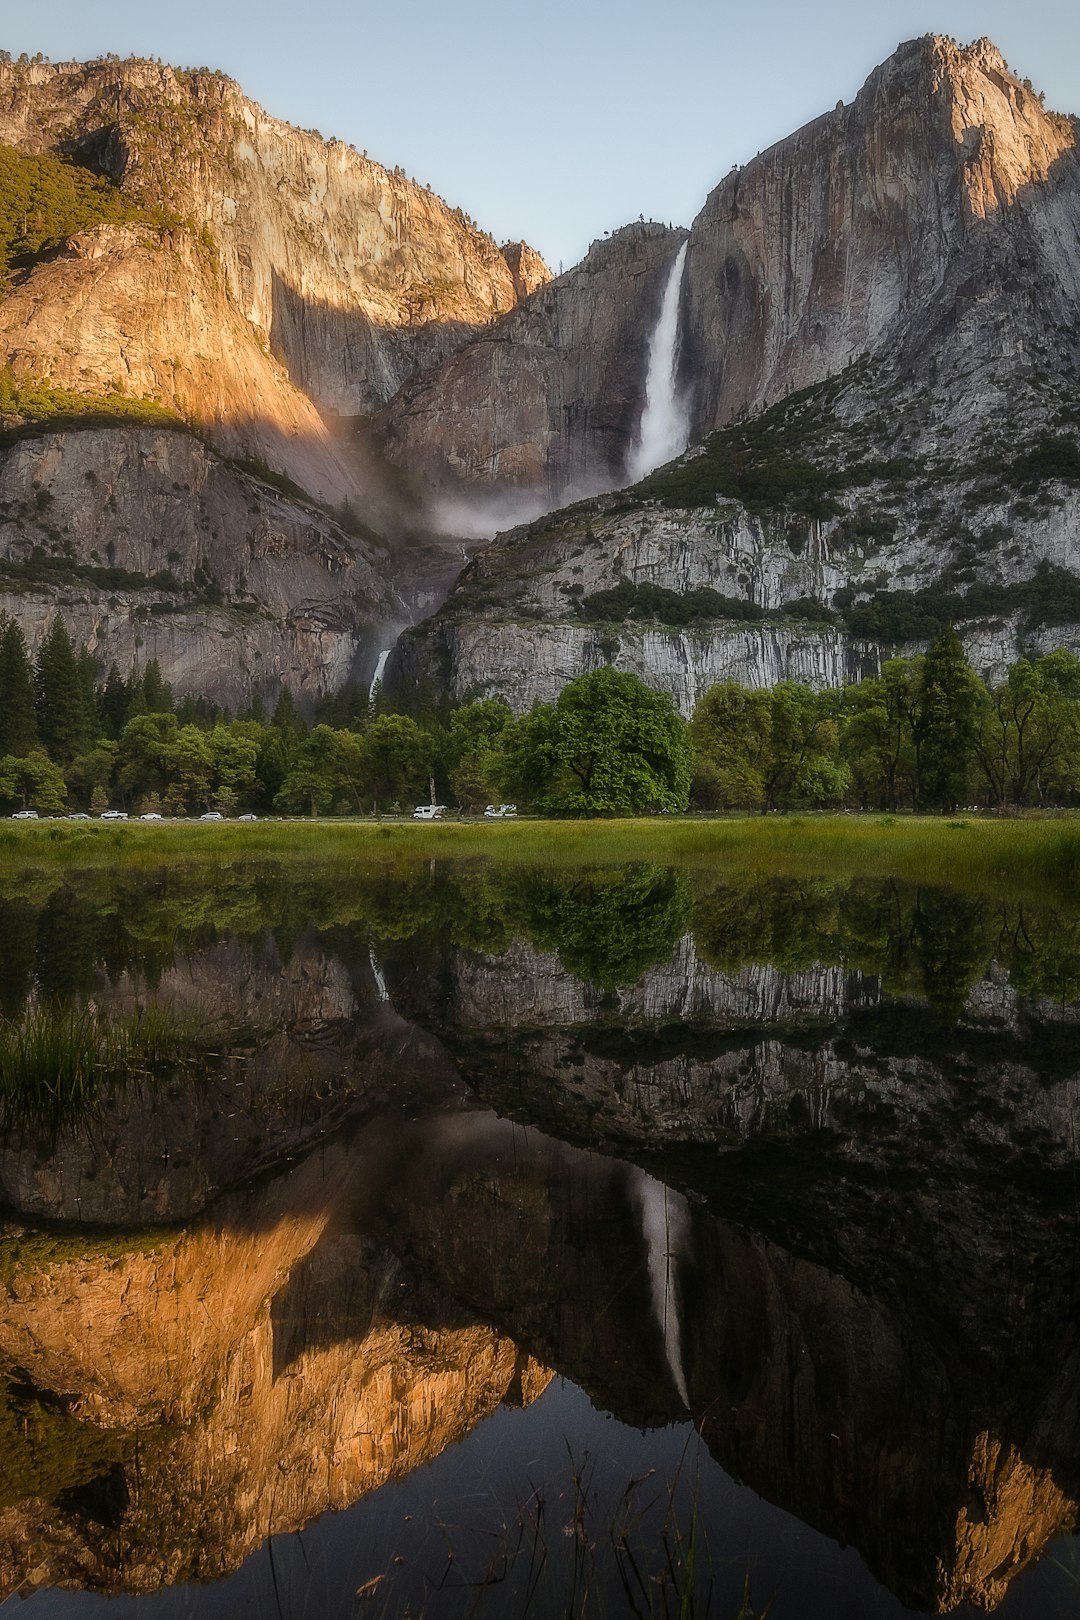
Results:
<point x="292" y="280"/>
<point x="246" y="1429"/>
<point x="353" y="275"/>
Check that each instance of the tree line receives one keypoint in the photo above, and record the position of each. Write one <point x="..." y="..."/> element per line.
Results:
<point x="927" y="733"/>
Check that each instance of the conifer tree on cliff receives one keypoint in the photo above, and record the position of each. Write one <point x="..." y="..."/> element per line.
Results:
<point x="18" y="719"/>
<point x="948" y="703"/>
<point x="64" y="726"/>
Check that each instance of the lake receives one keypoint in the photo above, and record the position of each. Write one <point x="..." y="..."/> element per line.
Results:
<point x="447" y="1238"/>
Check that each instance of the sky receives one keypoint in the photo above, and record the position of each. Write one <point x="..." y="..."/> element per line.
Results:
<point x="557" y="120"/>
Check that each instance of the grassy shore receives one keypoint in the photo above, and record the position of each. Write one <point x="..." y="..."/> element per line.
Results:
<point x="968" y="852"/>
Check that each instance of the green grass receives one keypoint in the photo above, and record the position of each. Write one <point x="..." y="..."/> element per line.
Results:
<point x="1024" y="855"/>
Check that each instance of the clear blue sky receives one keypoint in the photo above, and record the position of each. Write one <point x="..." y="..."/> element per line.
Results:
<point x="561" y="119"/>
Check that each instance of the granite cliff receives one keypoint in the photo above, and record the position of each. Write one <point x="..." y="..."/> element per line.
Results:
<point x="880" y="340"/>
<point x="260" y="284"/>
<point x="878" y="345"/>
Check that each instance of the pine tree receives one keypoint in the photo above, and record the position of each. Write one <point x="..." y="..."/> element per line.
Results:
<point x="948" y="700"/>
<point x="89" y="674"/>
<point x="159" y="698"/>
<point x="60" y="698"/>
<point x="113" y="704"/>
<point x="18" y="719"/>
<point x="285" y="715"/>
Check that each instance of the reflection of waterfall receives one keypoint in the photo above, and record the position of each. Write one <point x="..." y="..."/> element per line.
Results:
<point x="665" y="1224"/>
<point x="376" y="679"/>
<point x="380" y="983"/>
<point x="664" y="430"/>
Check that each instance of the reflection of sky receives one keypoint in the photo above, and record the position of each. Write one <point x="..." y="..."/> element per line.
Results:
<point x="469" y="1499"/>
<point x="560" y="121"/>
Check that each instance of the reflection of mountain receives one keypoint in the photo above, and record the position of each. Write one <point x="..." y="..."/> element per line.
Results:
<point x="224" y="1425"/>
<point x="868" y="1299"/>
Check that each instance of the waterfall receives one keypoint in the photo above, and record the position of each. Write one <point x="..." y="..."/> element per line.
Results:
<point x="665" y="1225"/>
<point x="664" y="429"/>
<point x="376" y="679"/>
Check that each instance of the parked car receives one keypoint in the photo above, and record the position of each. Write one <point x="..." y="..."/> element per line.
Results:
<point x="500" y="812"/>
<point x="79" y="815"/>
<point x="114" y="815"/>
<point x="428" y="812"/>
<point x="150" y="815"/>
<point x="247" y="816"/>
<point x="211" y="815"/>
<point x="25" y="815"/>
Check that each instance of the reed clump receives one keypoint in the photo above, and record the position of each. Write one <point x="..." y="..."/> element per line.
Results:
<point x="57" y="1060"/>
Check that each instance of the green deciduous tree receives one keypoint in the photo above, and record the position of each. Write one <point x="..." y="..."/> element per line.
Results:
<point x="803" y="767"/>
<point x="730" y="733"/>
<point x="34" y="781"/>
<point x="398" y="758"/>
<point x="476" y="753"/>
<point x="608" y="745"/>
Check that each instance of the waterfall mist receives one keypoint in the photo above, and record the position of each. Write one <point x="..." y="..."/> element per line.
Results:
<point x="664" y="429"/>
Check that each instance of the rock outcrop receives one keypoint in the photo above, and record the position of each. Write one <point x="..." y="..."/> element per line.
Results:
<point x="152" y="545"/>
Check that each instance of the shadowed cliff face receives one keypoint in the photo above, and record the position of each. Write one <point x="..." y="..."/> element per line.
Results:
<point x="550" y="399"/>
<point x="831" y="1221"/>
<point x="933" y="185"/>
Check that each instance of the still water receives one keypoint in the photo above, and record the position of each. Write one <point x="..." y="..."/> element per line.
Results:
<point x="519" y="1242"/>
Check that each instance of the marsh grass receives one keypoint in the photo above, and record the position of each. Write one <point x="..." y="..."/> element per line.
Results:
<point x="1040" y="857"/>
<point x="56" y="1061"/>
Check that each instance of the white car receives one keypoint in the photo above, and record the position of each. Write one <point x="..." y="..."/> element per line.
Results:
<point x="79" y="815"/>
<point x="211" y="815"/>
<point x="428" y="812"/>
<point x="247" y="817"/>
<point x="500" y="812"/>
<point x="25" y="815"/>
<point x="149" y="815"/>
<point x="114" y="815"/>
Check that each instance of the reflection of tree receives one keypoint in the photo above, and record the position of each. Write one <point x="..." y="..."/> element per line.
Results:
<point x="607" y="926"/>
<point x="924" y="942"/>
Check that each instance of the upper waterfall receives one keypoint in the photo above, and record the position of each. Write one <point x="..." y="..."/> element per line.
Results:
<point x="664" y="428"/>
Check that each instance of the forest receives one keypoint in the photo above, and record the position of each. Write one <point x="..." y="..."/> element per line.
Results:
<point x="925" y="734"/>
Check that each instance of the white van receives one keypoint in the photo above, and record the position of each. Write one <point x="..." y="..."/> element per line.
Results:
<point x="428" y="812"/>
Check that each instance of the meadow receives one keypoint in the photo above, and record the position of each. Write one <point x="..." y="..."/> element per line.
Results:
<point x="1040" y="857"/>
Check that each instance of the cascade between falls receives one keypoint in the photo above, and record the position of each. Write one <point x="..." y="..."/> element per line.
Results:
<point x="376" y="679"/>
<point x="664" y="429"/>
